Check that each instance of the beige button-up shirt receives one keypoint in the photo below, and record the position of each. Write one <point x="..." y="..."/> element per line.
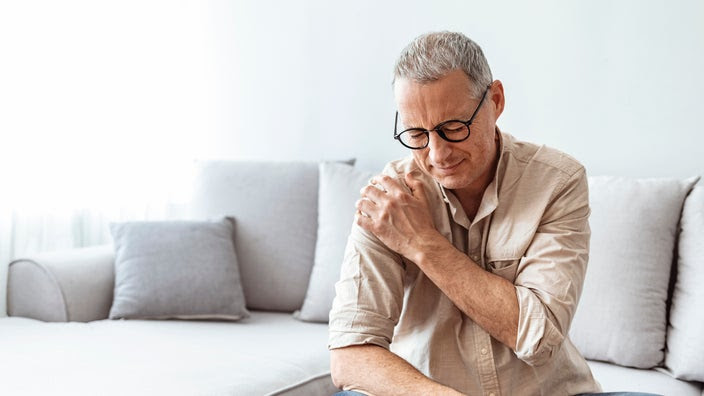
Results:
<point x="531" y="229"/>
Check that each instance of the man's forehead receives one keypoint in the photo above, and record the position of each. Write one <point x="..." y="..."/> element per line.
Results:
<point x="420" y="103"/>
<point x="426" y="111"/>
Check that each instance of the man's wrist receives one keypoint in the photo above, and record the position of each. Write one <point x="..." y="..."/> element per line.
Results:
<point x="427" y="246"/>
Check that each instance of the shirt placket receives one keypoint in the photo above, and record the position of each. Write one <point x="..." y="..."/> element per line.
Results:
<point x="486" y="366"/>
<point x="474" y="241"/>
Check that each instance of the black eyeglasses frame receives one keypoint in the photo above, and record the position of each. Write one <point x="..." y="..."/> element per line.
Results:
<point x="438" y="128"/>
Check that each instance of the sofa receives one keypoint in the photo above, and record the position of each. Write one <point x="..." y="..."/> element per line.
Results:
<point x="640" y="320"/>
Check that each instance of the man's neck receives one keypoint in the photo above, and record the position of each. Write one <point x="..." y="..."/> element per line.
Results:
<point x="470" y="197"/>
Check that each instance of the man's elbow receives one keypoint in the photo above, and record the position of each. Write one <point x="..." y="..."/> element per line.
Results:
<point x="348" y="364"/>
<point x="543" y="351"/>
<point x="342" y="365"/>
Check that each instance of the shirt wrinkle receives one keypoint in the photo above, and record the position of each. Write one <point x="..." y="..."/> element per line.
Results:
<point x="532" y="184"/>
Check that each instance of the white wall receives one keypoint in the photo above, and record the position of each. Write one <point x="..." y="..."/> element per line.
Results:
<point x="618" y="84"/>
<point x="130" y="88"/>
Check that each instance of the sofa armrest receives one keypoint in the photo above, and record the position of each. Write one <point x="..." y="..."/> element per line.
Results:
<point x="63" y="286"/>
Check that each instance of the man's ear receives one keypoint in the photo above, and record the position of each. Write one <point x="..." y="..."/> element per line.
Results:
<point x="497" y="98"/>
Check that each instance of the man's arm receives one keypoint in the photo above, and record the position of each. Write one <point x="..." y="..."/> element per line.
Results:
<point x="533" y="315"/>
<point x="367" y="306"/>
<point x="402" y="220"/>
<point x="488" y="299"/>
<point x="374" y="370"/>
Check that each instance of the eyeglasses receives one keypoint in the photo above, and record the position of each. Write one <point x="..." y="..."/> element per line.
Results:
<point x="451" y="130"/>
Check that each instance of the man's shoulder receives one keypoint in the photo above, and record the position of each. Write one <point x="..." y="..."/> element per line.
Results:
<point x="400" y="167"/>
<point x="531" y="156"/>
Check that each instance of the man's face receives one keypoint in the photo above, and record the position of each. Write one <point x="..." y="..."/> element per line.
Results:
<point x="462" y="165"/>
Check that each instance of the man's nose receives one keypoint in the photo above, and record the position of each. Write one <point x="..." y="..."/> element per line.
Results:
<point x="439" y="148"/>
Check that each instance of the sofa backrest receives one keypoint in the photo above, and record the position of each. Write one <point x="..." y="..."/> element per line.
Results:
<point x="685" y="334"/>
<point x="275" y="206"/>
<point x="622" y="314"/>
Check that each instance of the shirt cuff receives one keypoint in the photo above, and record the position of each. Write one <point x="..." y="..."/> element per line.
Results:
<point x="538" y="338"/>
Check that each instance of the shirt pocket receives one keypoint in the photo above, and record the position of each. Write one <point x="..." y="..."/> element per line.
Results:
<point x="505" y="268"/>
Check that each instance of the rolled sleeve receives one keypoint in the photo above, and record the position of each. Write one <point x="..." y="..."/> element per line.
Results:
<point x="551" y="274"/>
<point x="369" y="294"/>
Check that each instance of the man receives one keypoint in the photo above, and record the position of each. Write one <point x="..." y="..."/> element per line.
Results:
<point x="465" y="264"/>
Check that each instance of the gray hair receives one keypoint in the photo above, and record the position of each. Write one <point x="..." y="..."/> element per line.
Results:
<point x="431" y="56"/>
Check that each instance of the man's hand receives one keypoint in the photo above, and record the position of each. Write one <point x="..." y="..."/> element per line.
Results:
<point x="400" y="217"/>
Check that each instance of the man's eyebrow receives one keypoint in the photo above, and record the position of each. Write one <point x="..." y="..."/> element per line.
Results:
<point x="405" y="127"/>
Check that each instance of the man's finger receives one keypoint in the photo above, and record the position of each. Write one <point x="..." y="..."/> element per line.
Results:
<point x="387" y="183"/>
<point x="416" y="185"/>
<point x="372" y="193"/>
<point x="366" y="207"/>
<point x="363" y="220"/>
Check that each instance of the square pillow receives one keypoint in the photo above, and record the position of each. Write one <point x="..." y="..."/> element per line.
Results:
<point x="685" y="343"/>
<point x="621" y="317"/>
<point x="338" y="190"/>
<point x="176" y="269"/>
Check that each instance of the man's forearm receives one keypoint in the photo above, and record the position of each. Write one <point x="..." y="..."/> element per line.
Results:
<point x="376" y="371"/>
<point x="487" y="299"/>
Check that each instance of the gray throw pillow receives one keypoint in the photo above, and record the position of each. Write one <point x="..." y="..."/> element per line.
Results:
<point x="338" y="190"/>
<point x="622" y="316"/>
<point x="176" y="269"/>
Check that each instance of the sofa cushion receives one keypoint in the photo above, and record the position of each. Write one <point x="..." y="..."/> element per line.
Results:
<point x="621" y="317"/>
<point x="615" y="378"/>
<point x="685" y="343"/>
<point x="176" y="269"/>
<point x="339" y="186"/>
<point x="276" y="207"/>
<point x="267" y="353"/>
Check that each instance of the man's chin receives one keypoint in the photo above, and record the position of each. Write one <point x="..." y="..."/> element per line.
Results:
<point x="450" y="182"/>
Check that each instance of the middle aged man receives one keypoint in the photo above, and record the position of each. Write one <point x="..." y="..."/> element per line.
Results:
<point x="466" y="262"/>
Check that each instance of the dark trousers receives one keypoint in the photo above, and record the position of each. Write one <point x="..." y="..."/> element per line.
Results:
<point x="353" y="393"/>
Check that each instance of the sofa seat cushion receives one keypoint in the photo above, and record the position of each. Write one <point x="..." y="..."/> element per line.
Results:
<point x="267" y="353"/>
<point x="614" y="378"/>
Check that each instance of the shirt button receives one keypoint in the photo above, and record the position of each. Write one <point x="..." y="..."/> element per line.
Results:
<point x="484" y="352"/>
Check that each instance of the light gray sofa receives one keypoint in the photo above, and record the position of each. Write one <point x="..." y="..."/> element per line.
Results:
<point x="58" y="339"/>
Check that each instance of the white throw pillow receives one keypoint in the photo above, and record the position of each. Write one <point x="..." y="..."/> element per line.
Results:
<point x="685" y="340"/>
<point x="621" y="317"/>
<point x="339" y="186"/>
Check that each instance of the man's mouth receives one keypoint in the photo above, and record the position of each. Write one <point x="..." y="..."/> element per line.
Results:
<point x="448" y="169"/>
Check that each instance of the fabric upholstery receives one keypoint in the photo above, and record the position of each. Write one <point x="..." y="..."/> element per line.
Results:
<point x="267" y="353"/>
<point x="276" y="207"/>
<point x="685" y="340"/>
<point x="339" y="186"/>
<point x="615" y="378"/>
<point x="621" y="317"/>
<point x="69" y="285"/>
<point x="176" y="269"/>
